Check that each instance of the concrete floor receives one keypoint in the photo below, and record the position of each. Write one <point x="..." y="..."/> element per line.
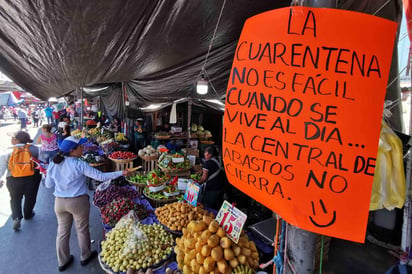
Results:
<point x="32" y="250"/>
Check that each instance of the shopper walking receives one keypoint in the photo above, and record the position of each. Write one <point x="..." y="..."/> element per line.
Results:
<point x="35" y="115"/>
<point x="22" y="179"/>
<point x="22" y="114"/>
<point x="48" y="141"/>
<point x="48" y="111"/>
<point x="67" y="173"/>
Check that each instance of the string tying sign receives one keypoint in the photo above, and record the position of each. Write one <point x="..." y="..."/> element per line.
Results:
<point x="302" y="116"/>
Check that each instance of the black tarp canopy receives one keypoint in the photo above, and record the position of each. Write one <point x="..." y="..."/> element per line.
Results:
<point x="155" y="47"/>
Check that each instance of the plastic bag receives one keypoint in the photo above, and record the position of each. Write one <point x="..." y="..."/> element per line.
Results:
<point x="389" y="187"/>
<point x="103" y="186"/>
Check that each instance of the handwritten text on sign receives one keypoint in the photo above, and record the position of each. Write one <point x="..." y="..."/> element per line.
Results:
<point x="302" y="115"/>
<point x="232" y="220"/>
<point x="191" y="193"/>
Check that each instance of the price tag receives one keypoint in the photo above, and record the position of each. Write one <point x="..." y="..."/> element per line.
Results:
<point x="192" y="193"/>
<point x="232" y="220"/>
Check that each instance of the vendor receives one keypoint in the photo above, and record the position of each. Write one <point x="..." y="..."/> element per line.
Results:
<point x="138" y="134"/>
<point x="115" y="126"/>
<point x="212" y="180"/>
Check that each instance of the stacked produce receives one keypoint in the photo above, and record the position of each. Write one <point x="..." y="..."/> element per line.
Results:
<point x="76" y="133"/>
<point x="113" y="192"/>
<point x="94" y="131"/>
<point x="167" y="163"/>
<point x="138" y="178"/>
<point x="205" y="248"/>
<point x="148" y="153"/>
<point x="114" y="211"/>
<point x="122" y="155"/>
<point x="200" y="131"/>
<point x="120" y="137"/>
<point x="91" y="123"/>
<point x="92" y="157"/>
<point x="162" y="135"/>
<point x="196" y="177"/>
<point x="133" y="246"/>
<point x="176" y="216"/>
<point x="157" y="178"/>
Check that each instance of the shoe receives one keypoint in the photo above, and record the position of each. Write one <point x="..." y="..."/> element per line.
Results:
<point x="91" y="257"/>
<point x="31" y="217"/>
<point x="16" y="224"/>
<point x="66" y="265"/>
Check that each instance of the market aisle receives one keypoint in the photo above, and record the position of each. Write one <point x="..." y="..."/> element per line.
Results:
<point x="32" y="250"/>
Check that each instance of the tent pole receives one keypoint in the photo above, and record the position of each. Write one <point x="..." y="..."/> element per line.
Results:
<point x="189" y="122"/>
<point x="81" y="107"/>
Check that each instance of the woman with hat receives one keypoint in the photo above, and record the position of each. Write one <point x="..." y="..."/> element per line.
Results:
<point x="23" y="182"/>
<point x="67" y="173"/>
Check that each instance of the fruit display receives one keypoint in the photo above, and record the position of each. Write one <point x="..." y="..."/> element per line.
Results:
<point x="138" y="178"/>
<point x="148" y="152"/>
<point x="243" y="269"/>
<point x="167" y="163"/>
<point x="113" y="212"/>
<point x="94" y="131"/>
<point x="196" y="177"/>
<point x="131" y="245"/>
<point x="205" y="248"/>
<point x="200" y="132"/>
<point x="113" y="192"/>
<point x="120" y="137"/>
<point x="92" y="157"/>
<point x="91" y="123"/>
<point x="162" y="135"/>
<point x="122" y="155"/>
<point x="177" y="215"/>
<point x="158" y="195"/>
<point x="157" y="178"/>
<point x="76" y="133"/>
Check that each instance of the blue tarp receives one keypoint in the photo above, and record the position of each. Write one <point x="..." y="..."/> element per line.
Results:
<point x="8" y="99"/>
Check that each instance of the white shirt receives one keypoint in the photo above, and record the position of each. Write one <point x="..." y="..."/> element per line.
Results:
<point x="69" y="177"/>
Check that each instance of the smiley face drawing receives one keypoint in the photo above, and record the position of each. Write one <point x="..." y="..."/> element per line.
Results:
<point x="325" y="212"/>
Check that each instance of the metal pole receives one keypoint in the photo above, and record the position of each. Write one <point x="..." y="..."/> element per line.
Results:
<point x="189" y="122"/>
<point x="81" y="107"/>
<point x="407" y="211"/>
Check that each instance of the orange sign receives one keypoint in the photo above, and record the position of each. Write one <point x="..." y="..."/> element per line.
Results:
<point x="303" y="112"/>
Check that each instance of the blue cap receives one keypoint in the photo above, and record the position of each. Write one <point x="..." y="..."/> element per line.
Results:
<point x="70" y="143"/>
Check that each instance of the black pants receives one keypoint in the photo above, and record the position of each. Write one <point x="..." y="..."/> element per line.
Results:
<point x="19" y="187"/>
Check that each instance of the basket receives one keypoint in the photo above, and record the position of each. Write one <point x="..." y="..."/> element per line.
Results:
<point x="96" y="164"/>
<point x="155" y="267"/>
<point x="159" y="202"/>
<point x="173" y="170"/>
<point x="139" y="187"/>
<point x="123" y="164"/>
<point x="149" y="158"/>
<point x="206" y="142"/>
<point x="122" y="161"/>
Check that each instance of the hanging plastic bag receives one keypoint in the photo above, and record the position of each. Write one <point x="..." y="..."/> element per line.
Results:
<point x="389" y="187"/>
<point x="103" y="186"/>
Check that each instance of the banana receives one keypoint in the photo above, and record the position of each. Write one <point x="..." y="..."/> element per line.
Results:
<point x="243" y="269"/>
